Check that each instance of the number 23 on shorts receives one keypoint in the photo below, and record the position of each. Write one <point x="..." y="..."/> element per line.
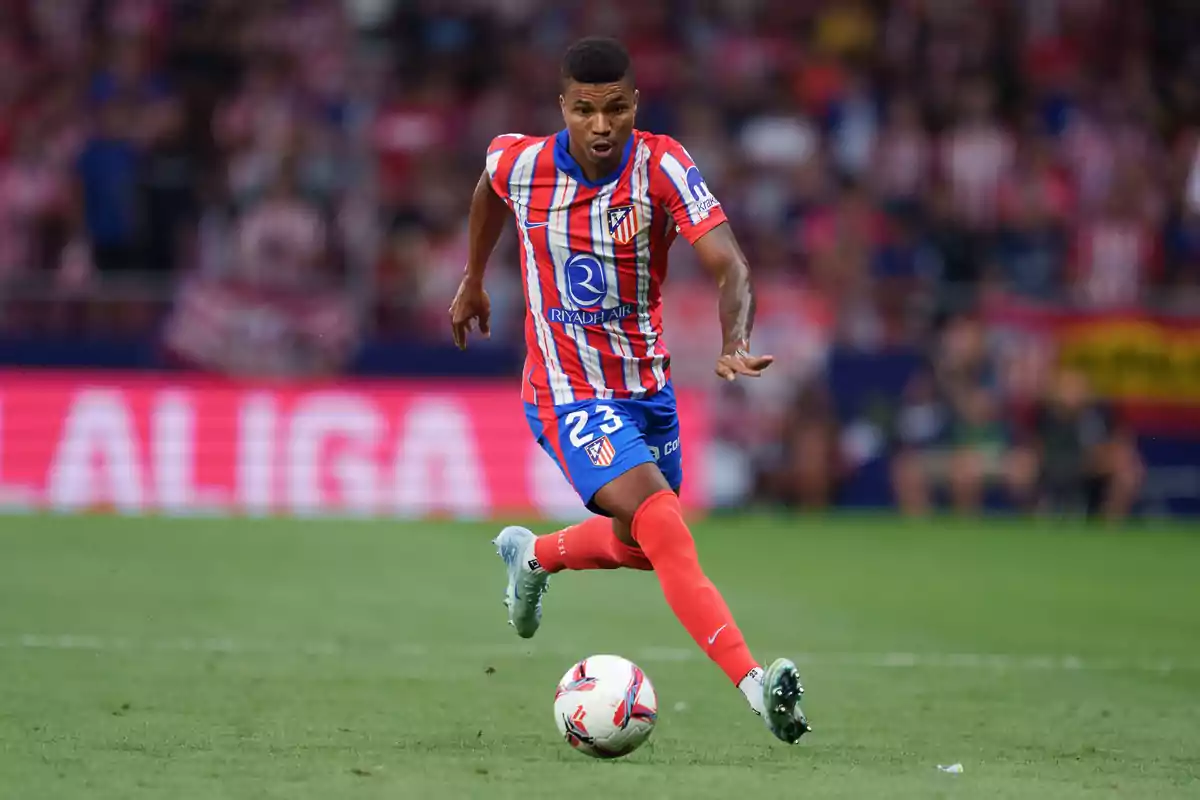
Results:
<point x="577" y="421"/>
<point x="599" y="432"/>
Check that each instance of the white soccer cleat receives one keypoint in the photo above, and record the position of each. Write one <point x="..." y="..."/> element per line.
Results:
<point x="527" y="581"/>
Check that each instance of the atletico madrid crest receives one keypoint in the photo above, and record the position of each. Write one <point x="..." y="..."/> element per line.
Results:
<point x="623" y="223"/>
<point x="601" y="452"/>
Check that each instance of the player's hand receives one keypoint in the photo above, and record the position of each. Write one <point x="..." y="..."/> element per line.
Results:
<point x="736" y="362"/>
<point x="471" y="305"/>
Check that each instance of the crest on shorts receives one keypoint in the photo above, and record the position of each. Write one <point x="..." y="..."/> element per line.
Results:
<point x="600" y="451"/>
<point x="623" y="223"/>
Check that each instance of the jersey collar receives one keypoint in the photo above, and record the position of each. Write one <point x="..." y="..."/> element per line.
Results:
<point x="567" y="163"/>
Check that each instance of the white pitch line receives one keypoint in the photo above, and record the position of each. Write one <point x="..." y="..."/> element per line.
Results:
<point x="418" y="650"/>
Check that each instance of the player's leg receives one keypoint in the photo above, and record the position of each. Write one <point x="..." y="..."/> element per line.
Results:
<point x="647" y="513"/>
<point x="604" y="542"/>
<point x="591" y="544"/>
<point x="591" y="442"/>
<point x="643" y="503"/>
<point x="527" y="580"/>
<point x="643" y="500"/>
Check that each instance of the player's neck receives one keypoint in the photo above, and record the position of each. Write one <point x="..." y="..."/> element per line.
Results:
<point x="592" y="170"/>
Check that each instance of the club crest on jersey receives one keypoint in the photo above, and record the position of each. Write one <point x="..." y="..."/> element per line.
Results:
<point x="623" y="223"/>
<point x="600" y="451"/>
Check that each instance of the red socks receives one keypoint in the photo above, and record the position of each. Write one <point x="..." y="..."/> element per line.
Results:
<point x="664" y="537"/>
<point x="588" y="545"/>
<point x="668" y="549"/>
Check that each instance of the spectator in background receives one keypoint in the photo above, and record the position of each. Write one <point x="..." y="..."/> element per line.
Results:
<point x="842" y="241"/>
<point x="901" y="271"/>
<point x="958" y="255"/>
<point x="1031" y="244"/>
<point x="283" y="239"/>
<point x="257" y="127"/>
<point x="976" y="156"/>
<point x="949" y="432"/>
<point x="1078" y="455"/>
<point x="917" y="439"/>
<point x="107" y="172"/>
<point x="854" y="127"/>
<point x="811" y="462"/>
<point x="901" y="162"/>
<point x="846" y="28"/>
<point x="1118" y="252"/>
<point x="35" y="212"/>
<point x="1182" y="246"/>
<point x="127" y="75"/>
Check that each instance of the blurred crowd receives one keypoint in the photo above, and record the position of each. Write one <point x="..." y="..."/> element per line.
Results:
<point x="295" y="175"/>
<point x="154" y="147"/>
<point x="894" y="156"/>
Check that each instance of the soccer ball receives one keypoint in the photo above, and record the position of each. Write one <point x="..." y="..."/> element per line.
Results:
<point x="605" y="706"/>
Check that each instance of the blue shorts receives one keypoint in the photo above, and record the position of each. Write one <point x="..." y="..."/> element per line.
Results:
<point x="596" y="441"/>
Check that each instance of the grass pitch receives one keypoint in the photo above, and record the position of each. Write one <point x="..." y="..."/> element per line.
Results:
<point x="248" y="659"/>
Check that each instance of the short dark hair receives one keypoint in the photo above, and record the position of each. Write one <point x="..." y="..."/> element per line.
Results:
<point x="596" y="59"/>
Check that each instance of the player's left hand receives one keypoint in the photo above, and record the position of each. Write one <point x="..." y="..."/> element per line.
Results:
<point x="471" y="304"/>
<point x="736" y="361"/>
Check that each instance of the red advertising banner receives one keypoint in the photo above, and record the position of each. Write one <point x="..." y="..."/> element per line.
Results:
<point x="132" y="443"/>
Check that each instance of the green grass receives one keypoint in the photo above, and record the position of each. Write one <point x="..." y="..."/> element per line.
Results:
<point x="239" y="659"/>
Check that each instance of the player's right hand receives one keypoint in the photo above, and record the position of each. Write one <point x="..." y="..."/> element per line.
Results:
<point x="471" y="304"/>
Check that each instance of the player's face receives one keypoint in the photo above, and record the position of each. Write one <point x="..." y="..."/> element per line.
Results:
<point x="599" y="118"/>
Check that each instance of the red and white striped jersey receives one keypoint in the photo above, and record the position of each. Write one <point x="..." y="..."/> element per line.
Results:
<point x="593" y="259"/>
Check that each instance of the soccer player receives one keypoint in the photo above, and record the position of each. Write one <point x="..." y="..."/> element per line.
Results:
<point x="597" y="206"/>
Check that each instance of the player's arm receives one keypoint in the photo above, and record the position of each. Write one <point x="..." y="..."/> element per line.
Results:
<point x="676" y="183"/>
<point x="484" y="225"/>
<point x="722" y="258"/>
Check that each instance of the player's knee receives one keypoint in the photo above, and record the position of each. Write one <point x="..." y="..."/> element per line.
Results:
<point x="625" y="495"/>
<point x="659" y="528"/>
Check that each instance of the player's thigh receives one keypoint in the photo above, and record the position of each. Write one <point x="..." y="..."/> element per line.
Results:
<point x="660" y="428"/>
<point x="600" y="441"/>
<point x="659" y="423"/>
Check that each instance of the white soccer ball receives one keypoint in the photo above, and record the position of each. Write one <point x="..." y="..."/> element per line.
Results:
<point x="605" y="706"/>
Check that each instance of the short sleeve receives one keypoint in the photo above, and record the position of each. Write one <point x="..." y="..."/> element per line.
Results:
<point x="500" y="158"/>
<point x="677" y="185"/>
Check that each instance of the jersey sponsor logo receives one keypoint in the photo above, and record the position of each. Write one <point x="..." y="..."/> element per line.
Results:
<point x="565" y="316"/>
<point x="699" y="189"/>
<point x="601" y="452"/>
<point x="623" y="224"/>
<point x="587" y="282"/>
<point x="667" y="449"/>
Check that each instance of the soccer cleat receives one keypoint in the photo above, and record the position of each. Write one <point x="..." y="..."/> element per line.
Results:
<point x="781" y="700"/>
<point x="526" y="581"/>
